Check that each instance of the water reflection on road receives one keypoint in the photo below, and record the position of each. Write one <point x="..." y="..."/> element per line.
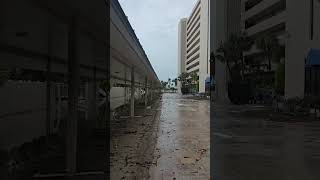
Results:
<point x="183" y="140"/>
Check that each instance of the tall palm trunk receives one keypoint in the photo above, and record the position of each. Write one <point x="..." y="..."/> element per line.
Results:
<point x="242" y="67"/>
<point x="269" y="62"/>
<point x="229" y="69"/>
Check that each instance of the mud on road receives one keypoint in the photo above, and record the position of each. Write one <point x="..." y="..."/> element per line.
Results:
<point x="133" y="144"/>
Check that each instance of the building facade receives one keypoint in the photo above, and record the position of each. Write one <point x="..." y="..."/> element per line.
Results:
<point x="297" y="32"/>
<point x="295" y="23"/>
<point x="194" y="56"/>
<point x="224" y="20"/>
<point x="182" y="48"/>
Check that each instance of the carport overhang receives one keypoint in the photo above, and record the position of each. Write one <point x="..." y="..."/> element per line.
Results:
<point x="125" y="46"/>
<point x="87" y="17"/>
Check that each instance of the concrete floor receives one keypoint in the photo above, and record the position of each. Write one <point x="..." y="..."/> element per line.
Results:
<point x="182" y="149"/>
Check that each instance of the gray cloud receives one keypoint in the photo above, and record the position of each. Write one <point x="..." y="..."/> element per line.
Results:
<point x="156" y="25"/>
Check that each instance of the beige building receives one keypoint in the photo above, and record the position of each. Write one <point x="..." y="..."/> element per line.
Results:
<point x="296" y="23"/>
<point x="182" y="48"/>
<point x="224" y="20"/>
<point x="194" y="43"/>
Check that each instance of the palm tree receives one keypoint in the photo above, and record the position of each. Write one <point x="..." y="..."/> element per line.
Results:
<point x="183" y="78"/>
<point x="4" y="75"/>
<point x="163" y="84"/>
<point x="269" y="46"/>
<point x="194" y="79"/>
<point x="175" y="81"/>
<point x="231" y="52"/>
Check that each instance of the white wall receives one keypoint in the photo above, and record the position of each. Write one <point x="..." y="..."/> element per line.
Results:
<point x="182" y="48"/>
<point x="298" y="44"/>
<point x="204" y="45"/>
<point x="22" y="113"/>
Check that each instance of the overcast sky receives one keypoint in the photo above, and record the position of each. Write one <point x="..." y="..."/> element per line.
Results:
<point x="156" y="25"/>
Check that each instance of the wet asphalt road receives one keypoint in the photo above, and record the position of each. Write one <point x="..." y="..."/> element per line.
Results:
<point x="245" y="144"/>
<point x="248" y="146"/>
<point x="182" y="149"/>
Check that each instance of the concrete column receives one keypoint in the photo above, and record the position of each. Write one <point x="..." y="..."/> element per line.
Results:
<point x="59" y="104"/>
<point x="73" y="94"/>
<point x="125" y="83"/>
<point x="132" y="94"/>
<point x="146" y="92"/>
<point x="49" y="83"/>
<point x="151" y="91"/>
<point x="297" y="31"/>
<point x="92" y="98"/>
<point x="48" y="100"/>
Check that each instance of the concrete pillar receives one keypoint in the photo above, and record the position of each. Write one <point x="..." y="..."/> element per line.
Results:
<point x="297" y="31"/>
<point x="125" y="85"/>
<point x="48" y="100"/>
<point x="132" y="94"/>
<point x="59" y="104"/>
<point x="146" y="92"/>
<point x="92" y="98"/>
<point x="151" y="91"/>
<point x="49" y="83"/>
<point x="73" y="94"/>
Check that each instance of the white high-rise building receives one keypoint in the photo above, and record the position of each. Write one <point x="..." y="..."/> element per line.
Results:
<point x="182" y="48"/>
<point x="194" y="43"/>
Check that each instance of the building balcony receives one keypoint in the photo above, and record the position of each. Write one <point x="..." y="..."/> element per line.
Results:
<point x="253" y="50"/>
<point x="265" y="4"/>
<point x="267" y="24"/>
<point x="192" y="66"/>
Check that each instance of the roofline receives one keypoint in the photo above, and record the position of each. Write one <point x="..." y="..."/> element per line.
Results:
<point x="124" y="18"/>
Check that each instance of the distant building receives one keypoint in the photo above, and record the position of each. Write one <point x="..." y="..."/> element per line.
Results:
<point x="182" y="48"/>
<point x="194" y="43"/>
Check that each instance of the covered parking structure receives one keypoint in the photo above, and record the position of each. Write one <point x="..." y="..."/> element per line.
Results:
<point x="56" y="55"/>
<point x="61" y="77"/>
<point x="130" y="70"/>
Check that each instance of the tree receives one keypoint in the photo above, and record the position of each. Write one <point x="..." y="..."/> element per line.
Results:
<point x="194" y="79"/>
<point x="169" y="82"/>
<point x="183" y="78"/>
<point x="231" y="53"/>
<point x="175" y="81"/>
<point x="280" y="79"/>
<point x="163" y="84"/>
<point x="270" y="48"/>
<point x="4" y="75"/>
